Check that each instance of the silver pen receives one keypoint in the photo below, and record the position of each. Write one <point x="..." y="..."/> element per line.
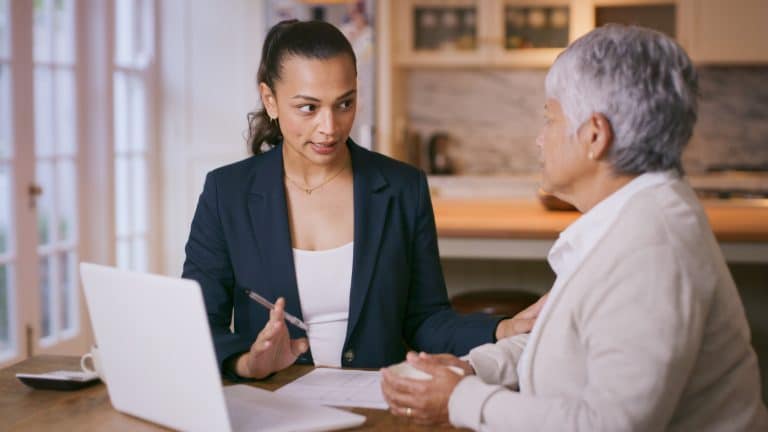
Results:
<point x="269" y="305"/>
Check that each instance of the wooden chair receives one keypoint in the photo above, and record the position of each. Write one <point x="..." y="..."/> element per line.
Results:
<point x="495" y="302"/>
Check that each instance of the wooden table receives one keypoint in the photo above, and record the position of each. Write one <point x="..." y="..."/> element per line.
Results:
<point x="89" y="409"/>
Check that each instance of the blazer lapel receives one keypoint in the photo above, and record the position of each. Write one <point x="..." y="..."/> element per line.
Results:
<point x="371" y="210"/>
<point x="269" y="219"/>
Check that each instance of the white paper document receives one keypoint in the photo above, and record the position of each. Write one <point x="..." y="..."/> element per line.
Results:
<point x="255" y="409"/>
<point x="338" y="387"/>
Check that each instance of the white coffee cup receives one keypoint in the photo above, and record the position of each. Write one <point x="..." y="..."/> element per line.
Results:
<point x="95" y="367"/>
<point x="407" y="370"/>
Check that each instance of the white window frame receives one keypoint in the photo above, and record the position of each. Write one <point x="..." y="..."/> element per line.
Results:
<point x="144" y="69"/>
<point x="95" y="152"/>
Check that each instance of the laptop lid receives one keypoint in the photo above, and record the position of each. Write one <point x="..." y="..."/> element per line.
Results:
<point x="155" y="348"/>
<point x="157" y="358"/>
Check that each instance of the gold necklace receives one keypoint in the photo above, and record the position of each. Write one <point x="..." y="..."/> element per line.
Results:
<point x="309" y="190"/>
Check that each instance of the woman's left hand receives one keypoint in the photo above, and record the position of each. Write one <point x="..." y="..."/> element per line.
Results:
<point x="424" y="401"/>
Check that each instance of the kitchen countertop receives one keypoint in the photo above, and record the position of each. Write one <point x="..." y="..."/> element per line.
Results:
<point x="734" y="220"/>
<point x="526" y="185"/>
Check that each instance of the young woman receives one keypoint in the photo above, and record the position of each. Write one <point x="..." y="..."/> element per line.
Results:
<point x="343" y="238"/>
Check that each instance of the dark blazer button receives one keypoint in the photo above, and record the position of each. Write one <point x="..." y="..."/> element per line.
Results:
<point x="349" y="355"/>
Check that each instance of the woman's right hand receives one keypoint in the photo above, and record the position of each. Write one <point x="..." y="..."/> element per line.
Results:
<point x="273" y="349"/>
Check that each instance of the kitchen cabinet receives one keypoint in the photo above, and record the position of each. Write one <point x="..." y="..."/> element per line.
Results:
<point x="479" y="34"/>
<point x="722" y="32"/>
<point x="521" y="34"/>
<point x="434" y="33"/>
<point x="482" y="33"/>
<point x="725" y="31"/>
<point x="661" y="15"/>
<point x="530" y="33"/>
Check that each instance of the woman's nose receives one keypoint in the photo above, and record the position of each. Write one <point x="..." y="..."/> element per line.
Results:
<point x="327" y="124"/>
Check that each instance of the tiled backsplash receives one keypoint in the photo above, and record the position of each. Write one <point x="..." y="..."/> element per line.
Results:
<point x="495" y="115"/>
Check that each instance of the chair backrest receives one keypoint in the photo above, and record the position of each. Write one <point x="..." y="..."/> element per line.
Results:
<point x="494" y="302"/>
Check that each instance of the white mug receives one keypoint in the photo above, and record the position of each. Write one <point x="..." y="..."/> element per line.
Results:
<point x="95" y="367"/>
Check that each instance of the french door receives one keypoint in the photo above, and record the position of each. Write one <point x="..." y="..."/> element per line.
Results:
<point x="40" y="305"/>
<point x="77" y="147"/>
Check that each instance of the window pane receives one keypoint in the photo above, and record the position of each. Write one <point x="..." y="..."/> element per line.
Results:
<point x="124" y="33"/>
<point x="122" y="196"/>
<point x="139" y="189"/>
<point x="42" y="31"/>
<point x="5" y="112"/>
<point x="121" y="113"/>
<point x="138" y="117"/>
<point x="139" y="254"/>
<point x="5" y="33"/>
<point x="63" y="26"/>
<point x="146" y="33"/>
<point x="44" y="125"/>
<point x="64" y="81"/>
<point x="124" y="254"/>
<point x="6" y="192"/>
<point x="67" y="297"/>
<point x="46" y="296"/>
<point x="6" y="320"/>
<point x="45" y="214"/>
<point x="66" y="201"/>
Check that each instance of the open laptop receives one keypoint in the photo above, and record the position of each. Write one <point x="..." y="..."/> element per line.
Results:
<point x="157" y="358"/>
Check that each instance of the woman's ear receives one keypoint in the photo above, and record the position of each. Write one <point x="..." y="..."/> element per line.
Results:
<point x="268" y="100"/>
<point x="601" y="136"/>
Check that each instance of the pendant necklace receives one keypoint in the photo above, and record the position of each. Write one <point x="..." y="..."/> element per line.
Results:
<point x="309" y="190"/>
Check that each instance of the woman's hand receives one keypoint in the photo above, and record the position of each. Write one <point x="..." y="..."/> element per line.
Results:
<point x="424" y="401"/>
<point x="273" y="349"/>
<point x="522" y="322"/>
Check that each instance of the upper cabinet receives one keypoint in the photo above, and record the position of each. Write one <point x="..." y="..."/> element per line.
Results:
<point x="439" y="32"/>
<point x="661" y="15"/>
<point x="526" y="33"/>
<point x="484" y="32"/>
<point x="725" y="31"/>
<point x="711" y="31"/>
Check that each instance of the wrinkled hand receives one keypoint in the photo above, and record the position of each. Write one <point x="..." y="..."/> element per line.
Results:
<point x="423" y="401"/>
<point x="522" y="322"/>
<point x="273" y="349"/>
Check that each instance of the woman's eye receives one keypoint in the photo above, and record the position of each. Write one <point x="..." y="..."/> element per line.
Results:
<point x="347" y="104"/>
<point x="307" y="108"/>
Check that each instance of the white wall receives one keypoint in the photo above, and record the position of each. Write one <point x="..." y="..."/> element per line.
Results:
<point x="209" y="54"/>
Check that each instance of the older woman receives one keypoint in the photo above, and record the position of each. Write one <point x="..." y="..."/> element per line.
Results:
<point x="643" y="329"/>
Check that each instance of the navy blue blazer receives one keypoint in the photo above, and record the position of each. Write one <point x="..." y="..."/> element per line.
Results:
<point x="240" y="238"/>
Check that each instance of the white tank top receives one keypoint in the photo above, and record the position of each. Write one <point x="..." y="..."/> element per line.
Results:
<point x="324" y="279"/>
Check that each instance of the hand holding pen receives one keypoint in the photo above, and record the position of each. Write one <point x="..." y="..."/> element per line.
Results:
<point x="273" y="349"/>
<point x="267" y="304"/>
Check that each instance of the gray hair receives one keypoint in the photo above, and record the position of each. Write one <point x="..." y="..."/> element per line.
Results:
<point x="645" y="85"/>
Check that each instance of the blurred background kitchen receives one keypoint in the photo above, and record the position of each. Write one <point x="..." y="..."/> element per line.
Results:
<point x="112" y="112"/>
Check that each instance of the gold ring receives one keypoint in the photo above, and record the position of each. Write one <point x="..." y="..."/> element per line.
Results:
<point x="408" y="412"/>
